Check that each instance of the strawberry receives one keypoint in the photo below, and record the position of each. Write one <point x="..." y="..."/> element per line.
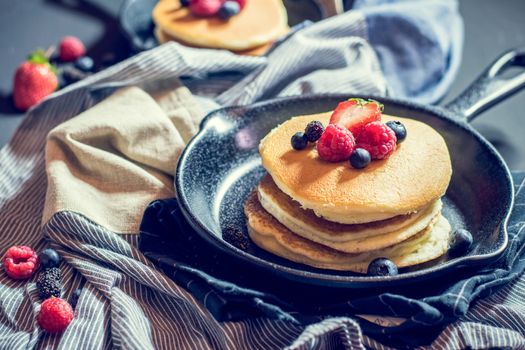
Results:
<point x="34" y="79"/>
<point x="355" y="113"/>
<point x="71" y="49"/>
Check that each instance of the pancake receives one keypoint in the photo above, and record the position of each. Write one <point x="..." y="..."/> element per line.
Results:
<point x="260" y="22"/>
<point x="305" y="223"/>
<point x="257" y="51"/>
<point x="415" y="175"/>
<point x="272" y="236"/>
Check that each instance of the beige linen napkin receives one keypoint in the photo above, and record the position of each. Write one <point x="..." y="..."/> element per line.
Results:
<point x="111" y="161"/>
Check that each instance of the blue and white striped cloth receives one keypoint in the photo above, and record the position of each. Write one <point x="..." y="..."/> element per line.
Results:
<point x="126" y="302"/>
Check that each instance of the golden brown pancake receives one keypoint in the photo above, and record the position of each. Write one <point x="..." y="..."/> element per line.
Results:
<point x="259" y="23"/>
<point x="257" y="51"/>
<point x="414" y="176"/>
<point x="272" y="236"/>
<point x="305" y="223"/>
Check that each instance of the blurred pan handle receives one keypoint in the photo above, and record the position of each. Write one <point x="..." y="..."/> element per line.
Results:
<point x="330" y="8"/>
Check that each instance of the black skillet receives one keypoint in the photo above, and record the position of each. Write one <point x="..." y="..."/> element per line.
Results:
<point x="221" y="165"/>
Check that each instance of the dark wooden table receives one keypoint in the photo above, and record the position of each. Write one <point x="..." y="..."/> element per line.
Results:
<point x="491" y="27"/>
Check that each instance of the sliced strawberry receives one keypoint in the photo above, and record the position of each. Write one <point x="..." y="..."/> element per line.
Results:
<point x="355" y="113"/>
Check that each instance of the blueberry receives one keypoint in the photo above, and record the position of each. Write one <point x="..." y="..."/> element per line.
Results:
<point x="314" y="130"/>
<point x="229" y="9"/>
<point x="71" y="75"/>
<point x="73" y="299"/>
<point x="460" y="242"/>
<point x="299" y="141"/>
<point x="185" y="3"/>
<point x="85" y="64"/>
<point x="49" y="258"/>
<point x="399" y="129"/>
<point x="360" y="158"/>
<point x="382" y="267"/>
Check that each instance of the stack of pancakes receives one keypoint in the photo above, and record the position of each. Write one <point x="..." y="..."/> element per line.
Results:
<point x="329" y="215"/>
<point x="251" y="32"/>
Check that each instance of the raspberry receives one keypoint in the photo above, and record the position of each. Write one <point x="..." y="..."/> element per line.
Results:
<point x="71" y="48"/>
<point x="205" y="8"/>
<point x="20" y="262"/>
<point x="242" y="3"/>
<point x="336" y="143"/>
<point x="314" y="130"/>
<point x="55" y="315"/>
<point x="378" y="139"/>
<point x="49" y="283"/>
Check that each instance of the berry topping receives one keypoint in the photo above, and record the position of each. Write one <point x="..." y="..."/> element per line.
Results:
<point x="460" y="242"/>
<point x="399" y="129"/>
<point x="55" y="315"/>
<point x="242" y="3"/>
<point x="71" y="49"/>
<point x="235" y="237"/>
<point x="336" y="143"/>
<point x="71" y="74"/>
<point x="49" y="283"/>
<point x="34" y="80"/>
<point x="85" y="64"/>
<point x="205" y="8"/>
<point x="299" y="141"/>
<point x="355" y="113"/>
<point x="229" y="9"/>
<point x="360" y="158"/>
<point x="20" y="262"/>
<point x="49" y="258"/>
<point x="73" y="299"/>
<point x="382" y="267"/>
<point x="314" y="130"/>
<point x="378" y="139"/>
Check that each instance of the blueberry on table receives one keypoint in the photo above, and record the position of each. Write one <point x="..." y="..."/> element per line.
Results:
<point x="185" y="3"/>
<point x="85" y="64"/>
<point x="73" y="299"/>
<point x="299" y="141"/>
<point x="314" y="130"/>
<point x="49" y="258"/>
<point x="229" y="9"/>
<point x="382" y="267"/>
<point x="399" y="129"/>
<point x="460" y="242"/>
<point x="360" y="158"/>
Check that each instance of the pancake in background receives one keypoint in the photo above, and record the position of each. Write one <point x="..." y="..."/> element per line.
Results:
<point x="272" y="236"/>
<point x="258" y="51"/>
<point x="259" y="23"/>
<point x="415" y="175"/>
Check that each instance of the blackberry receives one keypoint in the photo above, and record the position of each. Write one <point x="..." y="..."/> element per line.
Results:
<point x="360" y="158"/>
<point x="399" y="129"/>
<point x="314" y="130"/>
<point x="299" y="141"/>
<point x="49" y="283"/>
<point x="235" y="237"/>
<point x="382" y="267"/>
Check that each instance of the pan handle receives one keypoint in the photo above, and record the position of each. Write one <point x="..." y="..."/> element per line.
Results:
<point x="490" y="87"/>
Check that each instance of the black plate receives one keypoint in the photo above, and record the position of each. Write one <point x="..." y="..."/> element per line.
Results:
<point x="221" y="165"/>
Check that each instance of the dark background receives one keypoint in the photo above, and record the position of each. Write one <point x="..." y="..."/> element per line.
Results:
<point x="491" y="27"/>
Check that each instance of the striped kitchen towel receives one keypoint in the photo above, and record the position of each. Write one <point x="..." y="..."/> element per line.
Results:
<point x="126" y="302"/>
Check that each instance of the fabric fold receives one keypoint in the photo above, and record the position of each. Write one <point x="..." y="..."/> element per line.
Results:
<point x="109" y="162"/>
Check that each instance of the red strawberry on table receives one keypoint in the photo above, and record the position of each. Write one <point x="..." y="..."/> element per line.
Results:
<point x="34" y="79"/>
<point x="355" y="113"/>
